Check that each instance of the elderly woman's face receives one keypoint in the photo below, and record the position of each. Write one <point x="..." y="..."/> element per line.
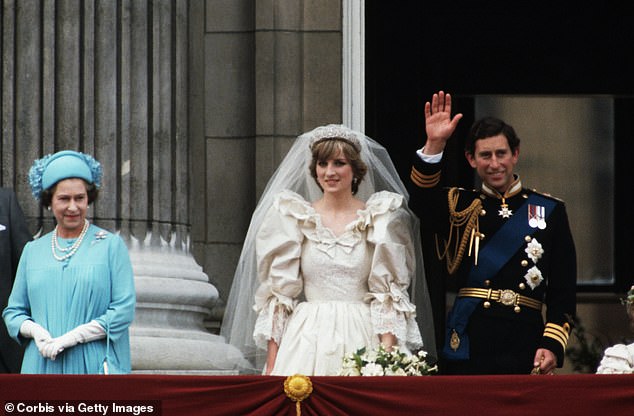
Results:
<point x="69" y="205"/>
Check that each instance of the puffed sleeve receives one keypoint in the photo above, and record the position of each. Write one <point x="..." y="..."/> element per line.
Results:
<point x="393" y="267"/>
<point x="618" y="359"/>
<point x="278" y="249"/>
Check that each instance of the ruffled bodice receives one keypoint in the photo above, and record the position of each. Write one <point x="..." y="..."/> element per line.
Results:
<point x="370" y="264"/>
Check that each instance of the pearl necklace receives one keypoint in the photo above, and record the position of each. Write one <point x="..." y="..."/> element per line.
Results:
<point x="70" y="250"/>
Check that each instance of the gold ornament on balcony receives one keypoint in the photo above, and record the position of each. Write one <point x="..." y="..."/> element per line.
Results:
<point x="298" y="387"/>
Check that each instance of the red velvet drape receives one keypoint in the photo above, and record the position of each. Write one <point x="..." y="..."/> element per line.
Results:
<point x="259" y="395"/>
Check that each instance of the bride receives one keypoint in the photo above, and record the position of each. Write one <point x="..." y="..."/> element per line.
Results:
<point x="329" y="262"/>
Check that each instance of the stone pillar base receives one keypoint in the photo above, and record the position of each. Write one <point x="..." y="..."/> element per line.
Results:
<point x="168" y="335"/>
<point x="182" y="355"/>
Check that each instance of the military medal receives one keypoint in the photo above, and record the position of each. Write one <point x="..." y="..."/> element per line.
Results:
<point x="537" y="216"/>
<point x="454" y="342"/>
<point x="513" y="190"/>
<point x="505" y="212"/>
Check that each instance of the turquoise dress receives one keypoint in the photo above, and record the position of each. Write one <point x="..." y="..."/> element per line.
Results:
<point x="96" y="283"/>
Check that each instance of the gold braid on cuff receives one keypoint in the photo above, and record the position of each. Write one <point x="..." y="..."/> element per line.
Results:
<point x="424" y="181"/>
<point x="558" y="333"/>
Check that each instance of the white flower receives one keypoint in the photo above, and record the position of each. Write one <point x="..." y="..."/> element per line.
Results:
<point x="370" y="356"/>
<point x="349" y="367"/>
<point x="534" y="250"/>
<point x="372" y="369"/>
<point x="533" y="277"/>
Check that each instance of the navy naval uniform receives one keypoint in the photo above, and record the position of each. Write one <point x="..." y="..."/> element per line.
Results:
<point x="512" y="260"/>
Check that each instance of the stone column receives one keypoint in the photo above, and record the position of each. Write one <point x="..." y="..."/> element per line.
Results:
<point x="110" y="79"/>
<point x="269" y="70"/>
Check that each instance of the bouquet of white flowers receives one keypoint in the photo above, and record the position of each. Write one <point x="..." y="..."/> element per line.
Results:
<point x="379" y="362"/>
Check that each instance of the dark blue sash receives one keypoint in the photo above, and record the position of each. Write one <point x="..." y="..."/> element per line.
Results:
<point x="495" y="254"/>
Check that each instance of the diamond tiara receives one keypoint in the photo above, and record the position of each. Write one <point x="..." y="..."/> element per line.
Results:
<point x="334" y="131"/>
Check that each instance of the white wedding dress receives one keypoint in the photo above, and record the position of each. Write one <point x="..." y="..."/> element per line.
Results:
<point x="617" y="359"/>
<point x="322" y="296"/>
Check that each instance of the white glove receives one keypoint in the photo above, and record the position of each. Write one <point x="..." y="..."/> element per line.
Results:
<point x="59" y="344"/>
<point x="41" y="336"/>
<point x="83" y="333"/>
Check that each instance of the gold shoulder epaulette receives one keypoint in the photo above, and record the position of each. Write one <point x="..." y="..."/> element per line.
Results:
<point x="424" y="181"/>
<point x="547" y="195"/>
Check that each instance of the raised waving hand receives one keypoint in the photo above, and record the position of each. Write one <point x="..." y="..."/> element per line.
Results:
<point x="439" y="125"/>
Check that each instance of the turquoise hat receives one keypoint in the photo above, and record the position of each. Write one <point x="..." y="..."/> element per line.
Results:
<point x="65" y="164"/>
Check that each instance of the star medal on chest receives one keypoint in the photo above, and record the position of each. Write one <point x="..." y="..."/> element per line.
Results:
<point x="504" y="211"/>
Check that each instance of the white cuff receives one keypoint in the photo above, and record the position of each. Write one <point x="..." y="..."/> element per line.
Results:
<point x="429" y="158"/>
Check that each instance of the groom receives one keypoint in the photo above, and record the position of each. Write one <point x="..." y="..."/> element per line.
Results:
<point x="508" y="249"/>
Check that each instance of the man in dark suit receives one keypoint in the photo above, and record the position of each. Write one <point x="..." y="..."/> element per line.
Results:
<point x="14" y="234"/>
<point x="508" y="250"/>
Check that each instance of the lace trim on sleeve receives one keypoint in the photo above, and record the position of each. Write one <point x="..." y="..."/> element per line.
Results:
<point x="270" y="324"/>
<point x="393" y="313"/>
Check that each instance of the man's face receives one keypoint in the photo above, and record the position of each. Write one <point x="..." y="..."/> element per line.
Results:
<point x="494" y="162"/>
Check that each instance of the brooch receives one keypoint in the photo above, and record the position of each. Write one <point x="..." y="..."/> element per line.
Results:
<point x="534" y="250"/>
<point x="533" y="277"/>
